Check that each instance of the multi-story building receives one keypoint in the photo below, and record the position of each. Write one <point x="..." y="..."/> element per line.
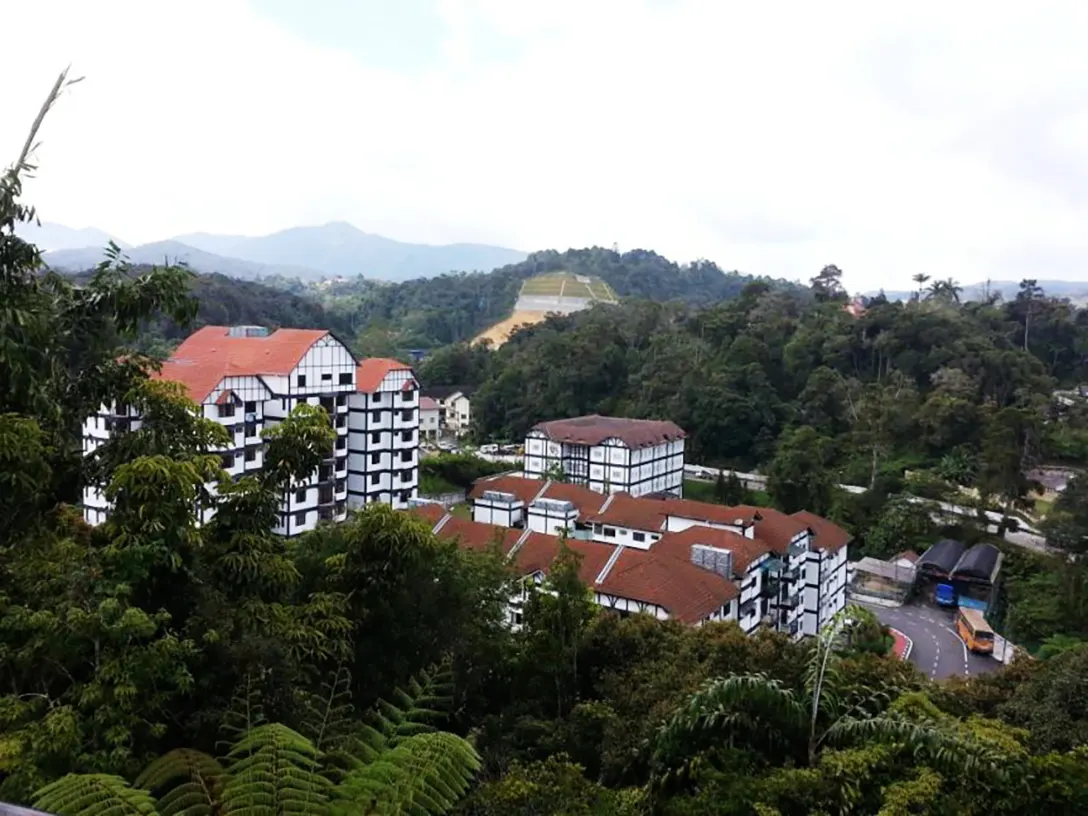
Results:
<point x="454" y="406"/>
<point x="247" y="378"/>
<point x="429" y="427"/>
<point x="383" y="437"/>
<point x="785" y="572"/>
<point x="609" y="454"/>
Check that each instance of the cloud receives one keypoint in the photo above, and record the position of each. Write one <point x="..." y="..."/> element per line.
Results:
<point x="773" y="139"/>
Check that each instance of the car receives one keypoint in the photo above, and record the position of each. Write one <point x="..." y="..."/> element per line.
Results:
<point x="489" y="448"/>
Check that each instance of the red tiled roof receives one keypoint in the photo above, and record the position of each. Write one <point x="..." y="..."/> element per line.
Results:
<point x="710" y="513"/>
<point x="207" y="356"/>
<point x="432" y="513"/>
<point x="539" y="550"/>
<point x="587" y="501"/>
<point x="906" y="555"/>
<point x="427" y="404"/>
<point x="475" y="535"/>
<point x="689" y="593"/>
<point x="633" y="512"/>
<point x="745" y="550"/>
<point x="594" y="429"/>
<point x="372" y="370"/>
<point x="524" y="489"/>
<point x="827" y="535"/>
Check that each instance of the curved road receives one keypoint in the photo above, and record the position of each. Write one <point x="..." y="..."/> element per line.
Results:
<point x="938" y="651"/>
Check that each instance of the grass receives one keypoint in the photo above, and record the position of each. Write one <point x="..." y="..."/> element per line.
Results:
<point x="435" y="486"/>
<point x="704" y="491"/>
<point x="554" y="284"/>
<point x="462" y="510"/>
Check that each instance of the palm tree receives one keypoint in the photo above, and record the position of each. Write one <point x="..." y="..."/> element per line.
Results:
<point x="755" y="711"/>
<point x="920" y="278"/>
<point x="947" y="290"/>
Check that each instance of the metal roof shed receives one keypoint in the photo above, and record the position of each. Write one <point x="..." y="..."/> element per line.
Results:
<point x="980" y="563"/>
<point x="941" y="559"/>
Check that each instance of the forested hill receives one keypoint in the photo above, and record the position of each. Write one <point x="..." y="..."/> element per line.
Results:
<point x="450" y="308"/>
<point x="229" y="301"/>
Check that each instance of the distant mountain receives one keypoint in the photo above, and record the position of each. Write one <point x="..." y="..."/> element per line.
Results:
<point x="77" y="260"/>
<point x="1076" y="291"/>
<point x="338" y="249"/>
<point x="48" y="236"/>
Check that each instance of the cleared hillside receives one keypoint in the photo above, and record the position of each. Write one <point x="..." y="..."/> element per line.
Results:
<point x="551" y="293"/>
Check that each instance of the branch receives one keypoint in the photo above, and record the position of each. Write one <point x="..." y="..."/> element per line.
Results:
<point x="29" y="146"/>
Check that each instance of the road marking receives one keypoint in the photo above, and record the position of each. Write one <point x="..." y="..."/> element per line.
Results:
<point x="963" y="643"/>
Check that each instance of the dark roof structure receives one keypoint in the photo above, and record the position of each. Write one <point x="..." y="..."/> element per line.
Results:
<point x="595" y="429"/>
<point x="440" y="392"/>
<point x="941" y="559"/>
<point x="978" y="564"/>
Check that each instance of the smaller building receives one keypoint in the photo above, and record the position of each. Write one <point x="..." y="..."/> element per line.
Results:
<point x="454" y="406"/>
<point x="609" y="454"/>
<point x="429" y="427"/>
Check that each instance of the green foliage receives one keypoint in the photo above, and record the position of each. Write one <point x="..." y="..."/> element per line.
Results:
<point x="188" y="783"/>
<point x="458" y="469"/>
<point x="93" y="795"/>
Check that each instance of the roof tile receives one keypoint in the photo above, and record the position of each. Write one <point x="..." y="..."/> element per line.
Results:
<point x="373" y="370"/>
<point x="594" y="429"/>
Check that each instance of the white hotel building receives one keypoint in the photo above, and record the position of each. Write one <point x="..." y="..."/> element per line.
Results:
<point x="609" y="455"/>
<point x="674" y="558"/>
<point x="247" y="378"/>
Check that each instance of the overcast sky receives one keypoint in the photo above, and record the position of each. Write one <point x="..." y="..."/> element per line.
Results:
<point x="949" y="138"/>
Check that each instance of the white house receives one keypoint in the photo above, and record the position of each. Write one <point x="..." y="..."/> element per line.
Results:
<point x="248" y="378"/>
<point x="454" y="407"/>
<point x="609" y="454"/>
<point x="429" y="427"/>
<point x="383" y="434"/>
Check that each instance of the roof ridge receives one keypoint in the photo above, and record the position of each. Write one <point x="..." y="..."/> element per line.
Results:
<point x="607" y="568"/>
<point x="442" y="521"/>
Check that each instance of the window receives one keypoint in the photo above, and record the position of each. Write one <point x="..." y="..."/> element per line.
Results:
<point x="345" y="378"/>
<point x="406" y="476"/>
<point x="340" y="443"/>
<point x="251" y="429"/>
<point x="251" y="407"/>
<point x="226" y="409"/>
<point x="283" y="403"/>
<point x="300" y="517"/>
<point x="376" y="399"/>
<point x="375" y="438"/>
<point x="610" y="532"/>
<point x="406" y="456"/>
<point x="228" y="461"/>
<point x="300" y="496"/>
<point x="406" y="416"/>
<point x="406" y="436"/>
<point x="375" y="458"/>
<point x="406" y="495"/>
<point x="375" y="416"/>
<point x="251" y="454"/>
<point x="375" y="478"/>
<point x="301" y="380"/>
<point x="407" y="395"/>
<point x="638" y="536"/>
<point x="326" y="377"/>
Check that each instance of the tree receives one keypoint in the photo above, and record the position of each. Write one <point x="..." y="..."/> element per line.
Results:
<point x="730" y="491"/>
<point x="752" y="711"/>
<point x="827" y="285"/>
<point x="921" y="278"/>
<point x="1030" y="292"/>
<point x="798" y="477"/>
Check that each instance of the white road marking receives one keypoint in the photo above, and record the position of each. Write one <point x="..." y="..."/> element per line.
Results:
<point x="963" y="643"/>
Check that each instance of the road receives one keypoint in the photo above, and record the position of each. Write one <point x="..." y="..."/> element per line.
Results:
<point x="938" y="651"/>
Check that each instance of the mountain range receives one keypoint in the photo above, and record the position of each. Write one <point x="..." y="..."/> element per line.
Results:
<point x="332" y="250"/>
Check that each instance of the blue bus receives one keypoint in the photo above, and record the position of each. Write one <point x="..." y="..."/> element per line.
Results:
<point x="945" y="595"/>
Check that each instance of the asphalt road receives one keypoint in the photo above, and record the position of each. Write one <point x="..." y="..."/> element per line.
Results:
<point x="938" y="651"/>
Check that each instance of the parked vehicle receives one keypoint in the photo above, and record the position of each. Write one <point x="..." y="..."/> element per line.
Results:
<point x="945" y="595"/>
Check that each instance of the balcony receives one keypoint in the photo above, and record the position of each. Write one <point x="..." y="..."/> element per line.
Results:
<point x="400" y="443"/>
<point x="797" y="550"/>
<point x="793" y="575"/>
<point x="405" y="419"/>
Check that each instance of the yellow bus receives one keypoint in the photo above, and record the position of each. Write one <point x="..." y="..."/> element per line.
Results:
<point x="976" y="633"/>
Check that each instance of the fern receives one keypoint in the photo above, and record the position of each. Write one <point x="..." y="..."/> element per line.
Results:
<point x="422" y="775"/>
<point x="93" y="795"/>
<point x="274" y="769"/>
<point x="413" y="711"/>
<point x="244" y="714"/>
<point x="187" y="782"/>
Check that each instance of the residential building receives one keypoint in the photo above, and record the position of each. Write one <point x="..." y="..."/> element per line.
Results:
<point x="454" y="407"/>
<point x="248" y="378"/>
<point x="383" y="434"/>
<point x="609" y="454"/>
<point x="788" y="572"/>
<point x="428" y="418"/>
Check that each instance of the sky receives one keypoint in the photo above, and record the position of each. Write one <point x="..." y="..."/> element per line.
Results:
<point x="772" y="138"/>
